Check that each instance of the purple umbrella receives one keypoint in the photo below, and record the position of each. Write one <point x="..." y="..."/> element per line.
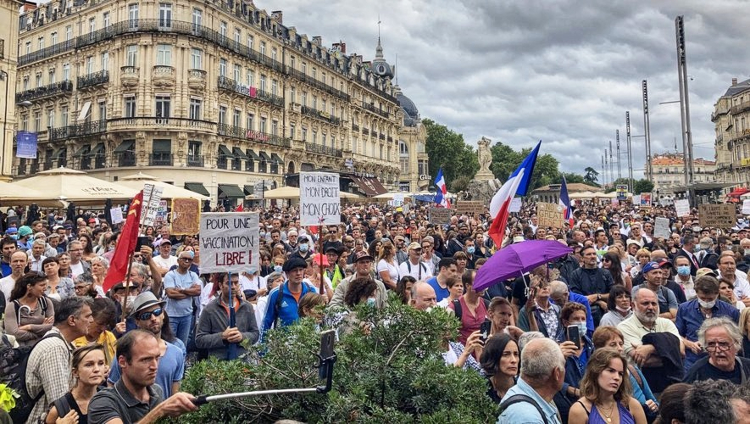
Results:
<point x="514" y="260"/>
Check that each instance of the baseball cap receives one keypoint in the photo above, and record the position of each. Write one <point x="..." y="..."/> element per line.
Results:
<point x="414" y="246"/>
<point x="317" y="260"/>
<point x="362" y="255"/>
<point x="705" y="271"/>
<point x="145" y="300"/>
<point x="663" y="262"/>
<point x="650" y="266"/>
<point x="636" y="242"/>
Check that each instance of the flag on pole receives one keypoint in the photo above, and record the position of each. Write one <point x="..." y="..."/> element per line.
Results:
<point x="517" y="184"/>
<point x="565" y="203"/>
<point x="442" y="190"/>
<point x="126" y="244"/>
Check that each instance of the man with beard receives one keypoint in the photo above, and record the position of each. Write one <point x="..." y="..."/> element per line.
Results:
<point x="149" y="316"/>
<point x="652" y="341"/>
<point x="457" y="244"/>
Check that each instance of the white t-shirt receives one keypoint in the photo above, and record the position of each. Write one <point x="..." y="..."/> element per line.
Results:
<point x="419" y="272"/>
<point x="391" y="267"/>
<point x="165" y="263"/>
<point x="6" y="286"/>
<point x="76" y="269"/>
<point x="255" y="284"/>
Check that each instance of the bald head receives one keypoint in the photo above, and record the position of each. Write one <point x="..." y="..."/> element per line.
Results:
<point x="539" y="359"/>
<point x="423" y="296"/>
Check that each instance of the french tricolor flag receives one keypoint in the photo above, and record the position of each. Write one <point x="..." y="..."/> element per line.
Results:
<point x="565" y="202"/>
<point x="517" y="184"/>
<point x="441" y="197"/>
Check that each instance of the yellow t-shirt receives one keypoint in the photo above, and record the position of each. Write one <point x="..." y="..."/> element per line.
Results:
<point x="107" y="339"/>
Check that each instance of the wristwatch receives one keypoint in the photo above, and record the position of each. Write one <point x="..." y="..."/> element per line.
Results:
<point x="598" y="296"/>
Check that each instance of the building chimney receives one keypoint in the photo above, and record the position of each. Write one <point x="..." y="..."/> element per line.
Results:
<point x="734" y="81"/>
<point x="278" y="15"/>
<point x="317" y="39"/>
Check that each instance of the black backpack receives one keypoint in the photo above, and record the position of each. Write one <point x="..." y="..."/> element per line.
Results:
<point x="458" y="310"/>
<point x="13" y="362"/>
<point x="520" y="398"/>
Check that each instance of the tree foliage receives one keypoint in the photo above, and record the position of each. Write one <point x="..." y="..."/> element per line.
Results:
<point x="591" y="177"/>
<point x="643" y="186"/>
<point x="389" y="369"/>
<point x="505" y="160"/>
<point x="447" y="149"/>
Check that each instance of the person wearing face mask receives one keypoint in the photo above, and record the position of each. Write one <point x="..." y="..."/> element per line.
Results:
<point x="576" y="356"/>
<point x="684" y="279"/>
<point x="303" y="249"/>
<point x="692" y="314"/>
<point x="619" y="304"/>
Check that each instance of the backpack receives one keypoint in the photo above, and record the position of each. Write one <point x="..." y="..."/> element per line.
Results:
<point x="13" y="362"/>
<point x="42" y="303"/>
<point x="458" y="310"/>
<point x="519" y="398"/>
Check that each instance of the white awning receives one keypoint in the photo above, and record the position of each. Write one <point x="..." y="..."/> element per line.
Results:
<point x="84" y="112"/>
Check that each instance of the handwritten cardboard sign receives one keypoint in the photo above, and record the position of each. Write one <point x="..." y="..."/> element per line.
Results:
<point x="549" y="215"/>
<point x="470" y="206"/>
<point x="721" y="216"/>
<point x="440" y="216"/>
<point x="229" y="241"/>
<point x="186" y="216"/>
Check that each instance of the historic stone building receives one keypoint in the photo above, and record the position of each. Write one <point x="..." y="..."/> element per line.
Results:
<point x="669" y="171"/>
<point x="8" y="57"/>
<point x="215" y="96"/>
<point x="731" y="118"/>
<point x="415" y="174"/>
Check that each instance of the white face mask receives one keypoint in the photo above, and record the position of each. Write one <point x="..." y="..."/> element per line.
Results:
<point x="623" y="310"/>
<point x="706" y="305"/>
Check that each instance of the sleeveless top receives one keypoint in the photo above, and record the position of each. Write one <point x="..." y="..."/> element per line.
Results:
<point x="65" y="404"/>
<point x="596" y="418"/>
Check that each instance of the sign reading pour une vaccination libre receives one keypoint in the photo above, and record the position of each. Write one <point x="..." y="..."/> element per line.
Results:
<point x="229" y="241"/>
<point x="319" y="198"/>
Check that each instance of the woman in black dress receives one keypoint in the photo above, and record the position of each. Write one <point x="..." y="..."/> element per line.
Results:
<point x="89" y="370"/>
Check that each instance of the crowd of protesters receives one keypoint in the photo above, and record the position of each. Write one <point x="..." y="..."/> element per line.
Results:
<point x="627" y="328"/>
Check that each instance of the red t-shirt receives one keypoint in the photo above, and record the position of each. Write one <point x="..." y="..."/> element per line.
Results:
<point x="470" y="323"/>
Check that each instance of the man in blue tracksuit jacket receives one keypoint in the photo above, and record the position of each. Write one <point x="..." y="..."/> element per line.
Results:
<point x="285" y="309"/>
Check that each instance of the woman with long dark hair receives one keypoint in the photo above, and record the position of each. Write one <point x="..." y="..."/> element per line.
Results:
<point x="500" y="360"/>
<point x="29" y="314"/>
<point x="611" y="262"/>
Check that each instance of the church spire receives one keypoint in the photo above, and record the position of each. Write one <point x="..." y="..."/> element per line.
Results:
<point x="379" y="49"/>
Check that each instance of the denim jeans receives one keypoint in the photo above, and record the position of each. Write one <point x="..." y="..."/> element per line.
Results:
<point x="181" y="327"/>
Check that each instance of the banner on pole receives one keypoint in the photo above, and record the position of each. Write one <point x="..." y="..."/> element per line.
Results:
<point x="319" y="198"/>
<point x="229" y="241"/>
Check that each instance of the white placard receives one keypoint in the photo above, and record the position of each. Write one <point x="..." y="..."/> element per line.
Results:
<point x="116" y="215"/>
<point x="746" y="207"/>
<point x="636" y="200"/>
<point x="320" y="202"/>
<point x="661" y="228"/>
<point x="229" y="241"/>
<point x="682" y="207"/>
<point x="515" y="205"/>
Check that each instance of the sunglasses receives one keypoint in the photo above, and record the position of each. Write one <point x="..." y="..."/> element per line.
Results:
<point x="143" y="316"/>
<point x="186" y="259"/>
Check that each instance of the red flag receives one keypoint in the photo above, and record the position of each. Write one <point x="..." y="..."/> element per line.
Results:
<point x="126" y="243"/>
<point x="239" y="209"/>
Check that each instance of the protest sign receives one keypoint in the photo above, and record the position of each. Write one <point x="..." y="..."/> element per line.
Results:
<point x="636" y="200"/>
<point x="622" y="191"/>
<point x="661" y="228"/>
<point x="151" y="201"/>
<point x="549" y="215"/>
<point x="721" y="216"/>
<point x="682" y="207"/>
<point x="645" y="200"/>
<point x="470" y="206"/>
<point x="186" y="216"/>
<point x="440" y="216"/>
<point x="515" y="205"/>
<point x="746" y="207"/>
<point x="229" y="241"/>
<point x="116" y="215"/>
<point x="161" y="213"/>
<point x="320" y="202"/>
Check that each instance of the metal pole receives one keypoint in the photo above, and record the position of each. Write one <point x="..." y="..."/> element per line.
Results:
<point x="687" y="139"/>
<point x="619" y="168"/>
<point x="6" y="77"/>
<point x="630" y="150"/>
<point x="604" y="166"/>
<point x="611" y="163"/>
<point x="647" y="131"/>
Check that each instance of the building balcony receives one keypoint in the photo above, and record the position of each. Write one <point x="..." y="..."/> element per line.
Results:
<point x="129" y="76"/>
<point x="381" y="136"/>
<point x="50" y="51"/>
<point x="163" y="76"/>
<point x="231" y="86"/>
<point x="740" y="107"/>
<point x="373" y="109"/>
<point x="195" y="161"/>
<point x="196" y="79"/>
<point x="155" y="123"/>
<point x="257" y="136"/>
<point x="78" y="130"/>
<point x="62" y="88"/>
<point x="161" y="159"/>
<point x="317" y="84"/>
<point x="93" y="80"/>
<point x="320" y="115"/>
<point x="355" y="127"/>
<point x="125" y="159"/>
<point x="323" y="150"/>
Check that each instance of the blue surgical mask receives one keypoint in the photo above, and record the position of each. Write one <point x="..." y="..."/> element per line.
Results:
<point x="262" y="234"/>
<point x="582" y="328"/>
<point x="696" y="249"/>
<point x="370" y="301"/>
<point x="277" y="268"/>
<point x="683" y="270"/>
<point x="303" y="247"/>
<point x="470" y="249"/>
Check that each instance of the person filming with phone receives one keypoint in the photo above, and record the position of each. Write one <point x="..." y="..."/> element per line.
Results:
<point x="577" y="348"/>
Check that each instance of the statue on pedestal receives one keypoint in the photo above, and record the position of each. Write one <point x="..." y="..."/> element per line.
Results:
<point x="485" y="159"/>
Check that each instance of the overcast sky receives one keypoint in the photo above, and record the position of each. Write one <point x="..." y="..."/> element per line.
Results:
<point x="561" y="71"/>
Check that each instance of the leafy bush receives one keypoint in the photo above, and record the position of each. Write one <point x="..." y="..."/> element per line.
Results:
<point x="389" y="369"/>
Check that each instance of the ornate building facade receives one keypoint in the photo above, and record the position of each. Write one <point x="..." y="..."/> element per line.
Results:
<point x="214" y="96"/>
<point x="731" y="118"/>
<point x="669" y="171"/>
<point x="8" y="59"/>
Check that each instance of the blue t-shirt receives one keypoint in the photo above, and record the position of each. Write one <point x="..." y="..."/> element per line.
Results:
<point x="440" y="292"/>
<point x="171" y="369"/>
<point x="180" y="307"/>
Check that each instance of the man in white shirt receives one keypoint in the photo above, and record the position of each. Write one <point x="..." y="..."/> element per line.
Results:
<point x="415" y="266"/>
<point x="77" y="265"/>
<point x="250" y="280"/>
<point x="728" y="270"/>
<point x="18" y="262"/>
<point x="36" y="256"/>
<point x="165" y="261"/>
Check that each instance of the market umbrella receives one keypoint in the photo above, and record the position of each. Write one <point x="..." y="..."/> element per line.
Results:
<point x="11" y="194"/>
<point x="170" y="191"/>
<point x="282" y="193"/>
<point x="75" y="186"/>
<point x="514" y="260"/>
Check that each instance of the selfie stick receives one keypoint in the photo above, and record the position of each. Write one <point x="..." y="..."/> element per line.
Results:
<point x="326" y="364"/>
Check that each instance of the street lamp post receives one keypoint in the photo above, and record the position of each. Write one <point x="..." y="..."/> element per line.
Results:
<point x="4" y="76"/>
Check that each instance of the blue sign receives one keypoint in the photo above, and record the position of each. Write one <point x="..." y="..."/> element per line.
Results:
<point x="26" y="145"/>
